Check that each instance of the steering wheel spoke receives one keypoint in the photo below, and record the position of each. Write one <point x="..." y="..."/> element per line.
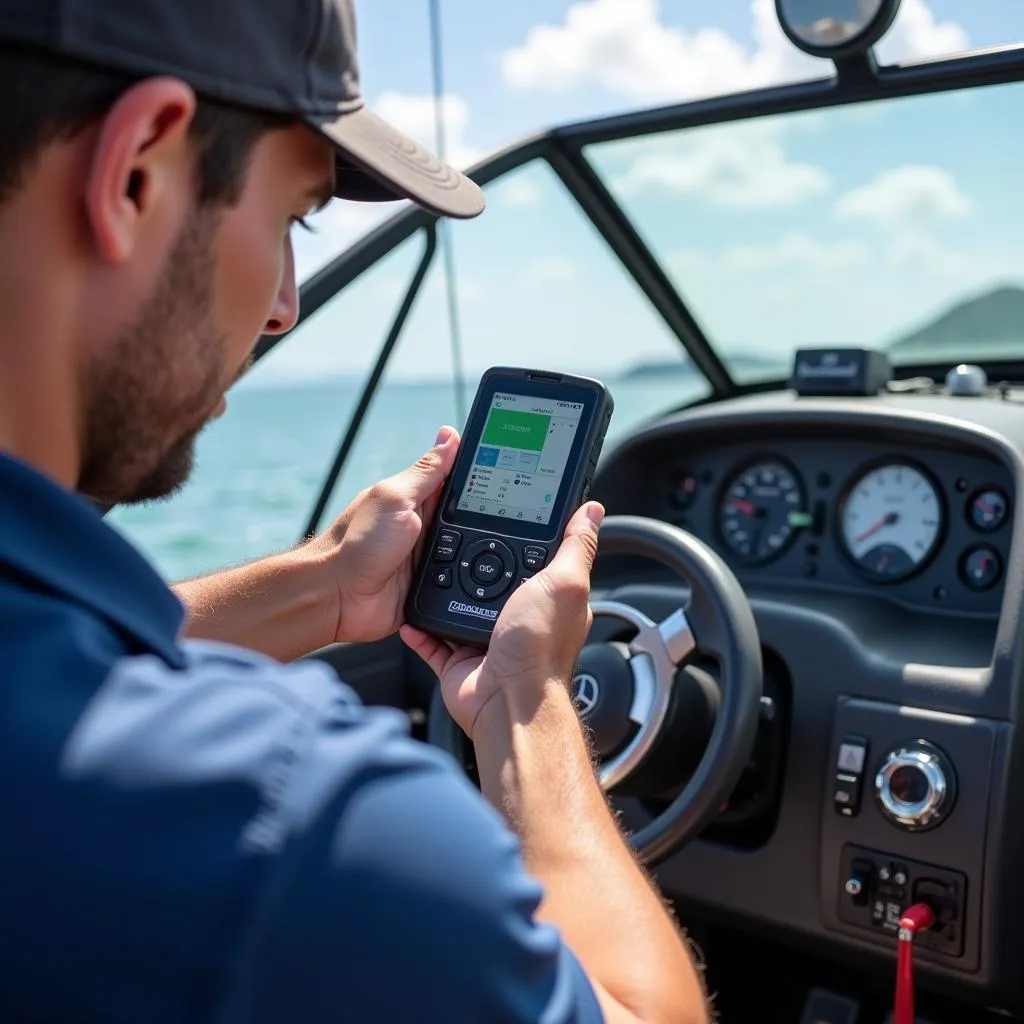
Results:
<point x="677" y="636"/>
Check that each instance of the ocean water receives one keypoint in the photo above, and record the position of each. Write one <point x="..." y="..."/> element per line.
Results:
<point x="260" y="468"/>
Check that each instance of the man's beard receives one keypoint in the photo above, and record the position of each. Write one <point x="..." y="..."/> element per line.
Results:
<point x="152" y="392"/>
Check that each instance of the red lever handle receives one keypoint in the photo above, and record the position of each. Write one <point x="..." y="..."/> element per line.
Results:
<point x="918" y="918"/>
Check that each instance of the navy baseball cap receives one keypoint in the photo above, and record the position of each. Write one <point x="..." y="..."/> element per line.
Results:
<point x="292" y="57"/>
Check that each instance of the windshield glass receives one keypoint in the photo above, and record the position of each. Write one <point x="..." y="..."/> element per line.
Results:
<point x="894" y="225"/>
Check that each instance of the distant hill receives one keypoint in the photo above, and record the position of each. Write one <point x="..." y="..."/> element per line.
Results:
<point x="994" y="320"/>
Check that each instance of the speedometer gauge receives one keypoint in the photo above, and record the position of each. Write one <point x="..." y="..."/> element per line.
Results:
<point x="761" y="510"/>
<point x="891" y="521"/>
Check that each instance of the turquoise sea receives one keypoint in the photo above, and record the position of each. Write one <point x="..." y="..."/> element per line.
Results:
<point x="260" y="468"/>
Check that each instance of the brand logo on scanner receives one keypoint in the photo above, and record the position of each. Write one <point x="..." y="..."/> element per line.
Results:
<point x="461" y="608"/>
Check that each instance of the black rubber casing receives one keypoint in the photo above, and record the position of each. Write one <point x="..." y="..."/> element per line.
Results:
<point x="444" y="600"/>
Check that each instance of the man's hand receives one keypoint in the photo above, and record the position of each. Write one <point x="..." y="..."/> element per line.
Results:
<point x="373" y="546"/>
<point x="536" y="639"/>
<point x="536" y="769"/>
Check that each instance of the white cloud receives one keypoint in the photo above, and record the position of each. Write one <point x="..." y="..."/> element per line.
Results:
<point x="551" y="271"/>
<point x="741" y="165"/>
<point x="796" y="251"/>
<point x="917" y="35"/>
<point x="624" y="47"/>
<point x="918" y="250"/>
<point x="414" y="115"/>
<point x="793" y="252"/>
<point x="517" y="192"/>
<point x="910" y="195"/>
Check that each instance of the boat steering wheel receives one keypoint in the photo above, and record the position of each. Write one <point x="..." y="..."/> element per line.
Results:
<point x="624" y="691"/>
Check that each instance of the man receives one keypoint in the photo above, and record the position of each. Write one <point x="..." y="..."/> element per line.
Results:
<point x="194" y="831"/>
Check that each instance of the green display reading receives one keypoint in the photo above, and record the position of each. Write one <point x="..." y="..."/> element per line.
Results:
<point x="510" y="429"/>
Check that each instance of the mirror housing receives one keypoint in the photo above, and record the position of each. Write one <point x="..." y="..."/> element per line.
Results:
<point x="835" y="29"/>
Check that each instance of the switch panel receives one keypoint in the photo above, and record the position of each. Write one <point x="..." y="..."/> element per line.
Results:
<point x="875" y="888"/>
<point x="848" y="775"/>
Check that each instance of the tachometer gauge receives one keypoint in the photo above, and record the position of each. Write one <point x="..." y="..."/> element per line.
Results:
<point x="891" y="521"/>
<point x="762" y="510"/>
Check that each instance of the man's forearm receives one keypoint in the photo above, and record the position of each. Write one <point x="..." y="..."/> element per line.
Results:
<point x="276" y="606"/>
<point x="535" y="766"/>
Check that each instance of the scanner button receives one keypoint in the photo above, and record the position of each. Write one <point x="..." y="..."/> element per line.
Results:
<point x="446" y="546"/>
<point x="488" y="569"/>
<point x="534" y="556"/>
<point x="442" y="576"/>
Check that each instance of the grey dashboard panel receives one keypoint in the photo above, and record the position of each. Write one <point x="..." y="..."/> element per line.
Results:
<point x="868" y="650"/>
<point x="980" y="437"/>
<point x="792" y="879"/>
<point x="959" y="842"/>
<point x="825" y="467"/>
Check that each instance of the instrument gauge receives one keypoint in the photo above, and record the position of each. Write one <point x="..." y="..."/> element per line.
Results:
<point x="981" y="567"/>
<point x="891" y="521"/>
<point x="762" y="510"/>
<point x="988" y="509"/>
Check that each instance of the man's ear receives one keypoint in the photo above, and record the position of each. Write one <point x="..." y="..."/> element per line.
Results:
<point x="138" y="162"/>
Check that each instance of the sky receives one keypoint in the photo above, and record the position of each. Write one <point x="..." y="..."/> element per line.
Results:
<point x="850" y="226"/>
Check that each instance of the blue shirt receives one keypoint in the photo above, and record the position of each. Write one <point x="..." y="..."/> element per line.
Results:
<point x="192" y="832"/>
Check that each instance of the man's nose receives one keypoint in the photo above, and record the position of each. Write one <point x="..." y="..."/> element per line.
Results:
<point x="284" y="313"/>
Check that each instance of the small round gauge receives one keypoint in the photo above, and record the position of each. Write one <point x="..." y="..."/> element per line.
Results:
<point x="762" y="510"/>
<point x="891" y="521"/>
<point x="684" y="490"/>
<point x="981" y="567"/>
<point x="987" y="510"/>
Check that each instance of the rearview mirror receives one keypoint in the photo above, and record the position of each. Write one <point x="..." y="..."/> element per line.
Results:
<point x="835" y="28"/>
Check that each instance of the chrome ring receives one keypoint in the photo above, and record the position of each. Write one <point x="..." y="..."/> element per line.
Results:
<point x="924" y="810"/>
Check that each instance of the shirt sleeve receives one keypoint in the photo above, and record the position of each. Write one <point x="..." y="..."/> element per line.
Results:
<point x="400" y="896"/>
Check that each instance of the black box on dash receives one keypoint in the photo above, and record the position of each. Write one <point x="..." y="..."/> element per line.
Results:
<point x="840" y="371"/>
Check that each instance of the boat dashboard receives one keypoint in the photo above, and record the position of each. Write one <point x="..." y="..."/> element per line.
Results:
<point x="881" y="544"/>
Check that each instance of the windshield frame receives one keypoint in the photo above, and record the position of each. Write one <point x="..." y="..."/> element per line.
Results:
<point x="563" y="149"/>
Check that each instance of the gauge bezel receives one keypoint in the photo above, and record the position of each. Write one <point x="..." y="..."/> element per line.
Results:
<point x="729" y="479"/>
<point x="856" y="478"/>
<point x="969" y="505"/>
<point x="962" y="567"/>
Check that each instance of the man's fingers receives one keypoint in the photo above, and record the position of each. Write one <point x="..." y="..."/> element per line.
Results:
<point x="434" y="652"/>
<point x="426" y="516"/>
<point x="442" y="656"/>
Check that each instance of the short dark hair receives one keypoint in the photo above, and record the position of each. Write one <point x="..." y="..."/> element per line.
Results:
<point x="46" y="98"/>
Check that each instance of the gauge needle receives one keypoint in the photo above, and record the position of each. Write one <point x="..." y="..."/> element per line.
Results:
<point x="887" y="520"/>
<point x="746" y="507"/>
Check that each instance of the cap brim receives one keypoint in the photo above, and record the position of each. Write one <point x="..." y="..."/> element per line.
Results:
<point x="377" y="163"/>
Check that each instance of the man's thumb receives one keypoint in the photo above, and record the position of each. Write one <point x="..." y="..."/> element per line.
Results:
<point x="580" y="541"/>
<point x="428" y="472"/>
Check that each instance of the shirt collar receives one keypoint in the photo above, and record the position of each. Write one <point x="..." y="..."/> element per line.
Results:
<point x="59" y="539"/>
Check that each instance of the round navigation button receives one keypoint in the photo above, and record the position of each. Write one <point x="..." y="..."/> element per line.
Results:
<point x="487" y="569"/>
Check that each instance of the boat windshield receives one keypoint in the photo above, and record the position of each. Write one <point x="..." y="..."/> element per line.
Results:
<point x="894" y="225"/>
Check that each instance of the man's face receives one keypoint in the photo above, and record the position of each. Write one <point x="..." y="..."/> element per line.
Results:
<point x="228" y="277"/>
